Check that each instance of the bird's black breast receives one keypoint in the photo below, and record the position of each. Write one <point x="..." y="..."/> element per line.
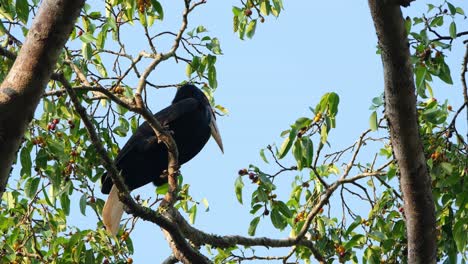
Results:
<point x="143" y="159"/>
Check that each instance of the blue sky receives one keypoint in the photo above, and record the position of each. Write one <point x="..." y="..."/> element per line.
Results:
<point x="267" y="83"/>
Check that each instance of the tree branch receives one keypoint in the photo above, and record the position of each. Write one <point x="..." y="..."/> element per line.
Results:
<point x="6" y="53"/>
<point x="21" y="90"/>
<point x="400" y="110"/>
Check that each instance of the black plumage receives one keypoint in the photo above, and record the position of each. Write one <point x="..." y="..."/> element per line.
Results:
<point x="142" y="160"/>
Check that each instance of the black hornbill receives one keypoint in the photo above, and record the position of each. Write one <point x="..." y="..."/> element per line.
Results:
<point x="142" y="160"/>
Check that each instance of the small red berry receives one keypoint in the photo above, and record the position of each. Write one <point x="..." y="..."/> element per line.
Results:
<point x="248" y="12"/>
<point x="56" y="121"/>
<point x="243" y="172"/>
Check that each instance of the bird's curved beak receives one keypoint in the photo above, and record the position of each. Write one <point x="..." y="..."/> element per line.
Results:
<point x="215" y="131"/>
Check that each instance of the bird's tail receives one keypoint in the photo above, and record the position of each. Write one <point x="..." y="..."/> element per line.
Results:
<point x="112" y="211"/>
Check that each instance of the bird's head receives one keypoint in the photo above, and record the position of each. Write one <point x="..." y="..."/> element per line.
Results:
<point x="191" y="91"/>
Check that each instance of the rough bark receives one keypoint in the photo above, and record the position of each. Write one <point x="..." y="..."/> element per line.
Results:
<point x="21" y="90"/>
<point x="400" y="110"/>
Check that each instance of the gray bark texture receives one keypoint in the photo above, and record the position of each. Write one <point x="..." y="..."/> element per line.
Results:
<point x="25" y="83"/>
<point x="400" y="110"/>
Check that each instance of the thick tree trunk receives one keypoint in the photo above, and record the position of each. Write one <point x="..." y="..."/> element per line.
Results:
<point x="400" y="110"/>
<point x="21" y="90"/>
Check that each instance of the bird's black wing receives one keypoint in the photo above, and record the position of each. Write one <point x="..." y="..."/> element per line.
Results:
<point x="145" y="137"/>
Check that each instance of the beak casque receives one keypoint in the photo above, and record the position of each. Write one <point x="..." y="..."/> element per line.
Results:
<point x="215" y="132"/>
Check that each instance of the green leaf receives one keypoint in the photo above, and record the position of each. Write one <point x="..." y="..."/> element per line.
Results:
<point x="46" y="196"/>
<point x="444" y="74"/>
<point x="236" y="11"/>
<point x="255" y="208"/>
<point x="452" y="9"/>
<point x="235" y="23"/>
<point x="201" y="29"/>
<point x="87" y="38"/>
<point x="354" y="241"/>
<point x="102" y="36"/>
<point x="297" y="153"/>
<point x="283" y="209"/>
<point x="2" y="28"/>
<point x="287" y="143"/>
<point x="242" y="26"/>
<point x="134" y="124"/>
<point x="206" y="204"/>
<point x="373" y="121"/>
<point x="214" y="46"/>
<point x="162" y="189"/>
<point x="212" y="77"/>
<point x="447" y="167"/>
<point x="223" y="109"/>
<point x="65" y="202"/>
<point x="262" y="155"/>
<point x="261" y="195"/>
<point x="193" y="214"/>
<point x="253" y="226"/>
<point x="251" y="28"/>
<point x="57" y="149"/>
<point x="95" y="15"/>
<point x="307" y="151"/>
<point x="121" y="130"/>
<point x="157" y="7"/>
<point x="453" y="30"/>
<point x="421" y="73"/>
<point x="377" y="236"/>
<point x="277" y="219"/>
<point x="460" y="11"/>
<point x="188" y="70"/>
<point x="437" y="21"/>
<point x="353" y="225"/>
<point x="324" y="134"/>
<point x="238" y="185"/>
<point x="302" y="122"/>
<point x="371" y="256"/>
<point x="277" y="6"/>
<point x="90" y="256"/>
<point x="30" y="187"/>
<point x="83" y="204"/>
<point x="143" y="20"/>
<point x="25" y="158"/>
<point x="22" y="10"/>
<point x="333" y="101"/>
<point x="49" y="107"/>
<point x="459" y="234"/>
<point x="87" y="51"/>
<point x="408" y="25"/>
<point x="265" y="7"/>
